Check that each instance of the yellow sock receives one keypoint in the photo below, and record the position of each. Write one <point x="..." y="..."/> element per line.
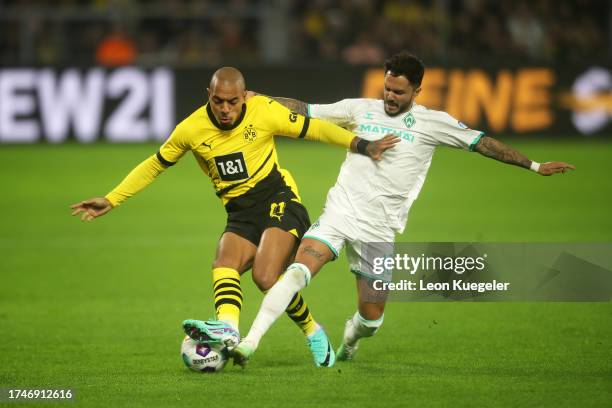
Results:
<point x="299" y="313"/>
<point x="228" y="295"/>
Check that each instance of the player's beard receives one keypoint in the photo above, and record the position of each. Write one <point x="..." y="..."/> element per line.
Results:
<point x="401" y="108"/>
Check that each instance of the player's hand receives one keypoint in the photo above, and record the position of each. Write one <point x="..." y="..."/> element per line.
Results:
<point x="376" y="149"/>
<point x="92" y="208"/>
<point x="250" y="94"/>
<point x="550" y="168"/>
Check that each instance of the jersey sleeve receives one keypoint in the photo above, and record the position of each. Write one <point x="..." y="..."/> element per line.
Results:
<point x="340" y="113"/>
<point x="446" y="130"/>
<point x="147" y="171"/>
<point x="140" y="177"/>
<point x="175" y="147"/>
<point x="284" y="122"/>
<point x="297" y="126"/>
<point x="326" y="132"/>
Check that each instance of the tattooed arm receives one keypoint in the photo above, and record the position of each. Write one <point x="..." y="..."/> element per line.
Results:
<point x="487" y="146"/>
<point x="293" y="105"/>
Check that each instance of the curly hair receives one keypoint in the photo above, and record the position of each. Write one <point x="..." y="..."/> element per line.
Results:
<point x="408" y="65"/>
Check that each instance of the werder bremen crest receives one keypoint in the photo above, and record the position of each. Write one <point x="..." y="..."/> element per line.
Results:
<point x="409" y="120"/>
<point x="250" y="134"/>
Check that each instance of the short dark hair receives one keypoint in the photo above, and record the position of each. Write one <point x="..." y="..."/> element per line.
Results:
<point x="406" y="64"/>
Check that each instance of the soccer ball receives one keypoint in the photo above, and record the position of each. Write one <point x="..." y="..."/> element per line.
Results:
<point x="207" y="358"/>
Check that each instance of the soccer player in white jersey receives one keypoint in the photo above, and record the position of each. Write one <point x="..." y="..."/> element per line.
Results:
<point x="370" y="200"/>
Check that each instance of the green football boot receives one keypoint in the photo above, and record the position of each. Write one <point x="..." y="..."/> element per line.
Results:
<point x="345" y="352"/>
<point x="211" y="331"/>
<point x="321" y="349"/>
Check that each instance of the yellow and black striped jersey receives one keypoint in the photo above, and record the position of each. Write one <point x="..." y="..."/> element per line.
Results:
<point x="241" y="161"/>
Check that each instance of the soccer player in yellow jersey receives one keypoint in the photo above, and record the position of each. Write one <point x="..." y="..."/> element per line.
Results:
<point x="233" y="142"/>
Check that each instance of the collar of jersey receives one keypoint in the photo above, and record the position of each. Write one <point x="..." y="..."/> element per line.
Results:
<point x="212" y="118"/>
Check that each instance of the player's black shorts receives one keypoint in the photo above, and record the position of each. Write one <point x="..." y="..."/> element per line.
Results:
<point x="280" y="210"/>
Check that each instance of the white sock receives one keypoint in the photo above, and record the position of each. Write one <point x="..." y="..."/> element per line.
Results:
<point x="360" y="328"/>
<point x="276" y="301"/>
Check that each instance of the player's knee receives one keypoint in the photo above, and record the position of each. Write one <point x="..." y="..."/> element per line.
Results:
<point x="264" y="280"/>
<point x="297" y="275"/>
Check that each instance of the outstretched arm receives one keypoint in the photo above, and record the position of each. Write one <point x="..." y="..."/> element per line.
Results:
<point x="327" y="132"/>
<point x="139" y="178"/>
<point x="487" y="146"/>
<point x="322" y="130"/>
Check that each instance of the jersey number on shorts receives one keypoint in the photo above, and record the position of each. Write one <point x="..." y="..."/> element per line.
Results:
<point x="231" y="167"/>
<point x="277" y="210"/>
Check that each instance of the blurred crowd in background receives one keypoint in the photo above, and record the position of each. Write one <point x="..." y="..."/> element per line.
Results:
<point x="359" y="32"/>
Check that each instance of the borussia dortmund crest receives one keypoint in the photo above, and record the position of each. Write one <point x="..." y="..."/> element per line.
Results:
<point x="409" y="120"/>
<point x="250" y="134"/>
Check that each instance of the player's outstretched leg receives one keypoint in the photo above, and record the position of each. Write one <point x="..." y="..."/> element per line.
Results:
<point x="320" y="346"/>
<point x="356" y="328"/>
<point x="211" y="331"/>
<point x="273" y="305"/>
<point x="275" y="253"/>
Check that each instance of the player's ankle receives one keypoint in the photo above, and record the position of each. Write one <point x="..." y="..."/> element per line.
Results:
<point x="251" y="342"/>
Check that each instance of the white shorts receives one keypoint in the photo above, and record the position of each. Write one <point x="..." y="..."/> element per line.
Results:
<point x="366" y="243"/>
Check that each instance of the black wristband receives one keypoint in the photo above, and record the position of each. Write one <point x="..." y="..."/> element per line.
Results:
<point x="362" y="146"/>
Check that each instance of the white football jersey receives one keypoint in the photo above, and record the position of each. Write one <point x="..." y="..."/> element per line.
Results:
<point x="382" y="192"/>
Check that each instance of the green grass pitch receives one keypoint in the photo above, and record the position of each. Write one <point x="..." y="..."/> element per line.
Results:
<point x="97" y="307"/>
